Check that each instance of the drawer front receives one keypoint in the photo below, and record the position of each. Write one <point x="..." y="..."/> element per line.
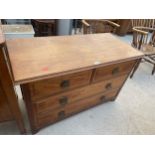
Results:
<point x="63" y="99"/>
<point x="49" y="87"/>
<point x="113" y="70"/>
<point x="73" y="108"/>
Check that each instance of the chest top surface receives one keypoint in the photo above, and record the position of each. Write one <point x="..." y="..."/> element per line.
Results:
<point x="43" y="57"/>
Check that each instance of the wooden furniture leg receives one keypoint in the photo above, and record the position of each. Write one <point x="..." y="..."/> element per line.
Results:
<point x="153" y="71"/>
<point x="135" y="68"/>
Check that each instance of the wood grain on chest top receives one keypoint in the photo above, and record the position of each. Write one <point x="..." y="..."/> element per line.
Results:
<point x="39" y="58"/>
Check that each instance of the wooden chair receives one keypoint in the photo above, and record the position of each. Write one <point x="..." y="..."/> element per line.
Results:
<point x="44" y="27"/>
<point x="98" y="26"/>
<point x="77" y="25"/>
<point x="144" y="40"/>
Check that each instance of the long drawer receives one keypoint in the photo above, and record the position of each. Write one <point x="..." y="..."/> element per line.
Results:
<point x="63" y="99"/>
<point x="75" y="107"/>
<point x="112" y="71"/>
<point x="45" y="88"/>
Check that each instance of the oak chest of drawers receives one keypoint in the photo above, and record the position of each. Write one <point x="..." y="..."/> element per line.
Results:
<point x="61" y="76"/>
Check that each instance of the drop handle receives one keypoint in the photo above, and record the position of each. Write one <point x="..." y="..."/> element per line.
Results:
<point x="65" y="84"/>
<point x="108" y="86"/>
<point x="115" y="71"/>
<point x="63" y="100"/>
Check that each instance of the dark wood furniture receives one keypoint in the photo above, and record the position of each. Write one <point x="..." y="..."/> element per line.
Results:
<point x="98" y="26"/>
<point x="63" y="75"/>
<point x="144" y="40"/>
<point x="44" y="27"/>
<point x="9" y="108"/>
<point x="125" y="27"/>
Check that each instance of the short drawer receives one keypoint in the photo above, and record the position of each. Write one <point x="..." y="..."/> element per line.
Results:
<point x="66" y="98"/>
<point x="113" y="70"/>
<point x="75" y="107"/>
<point x="51" y="86"/>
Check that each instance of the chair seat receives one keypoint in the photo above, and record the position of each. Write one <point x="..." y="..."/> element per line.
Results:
<point x="148" y="49"/>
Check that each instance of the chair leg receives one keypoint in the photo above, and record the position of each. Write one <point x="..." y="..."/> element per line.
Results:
<point x="153" y="71"/>
<point x="135" y="68"/>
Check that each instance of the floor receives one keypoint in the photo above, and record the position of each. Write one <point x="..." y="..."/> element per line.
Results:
<point x="133" y="112"/>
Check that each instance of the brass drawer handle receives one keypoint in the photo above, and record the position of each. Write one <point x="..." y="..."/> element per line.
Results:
<point x="108" y="86"/>
<point x="65" y="84"/>
<point x="61" y="114"/>
<point x="103" y="98"/>
<point x="115" y="71"/>
<point x="63" y="100"/>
